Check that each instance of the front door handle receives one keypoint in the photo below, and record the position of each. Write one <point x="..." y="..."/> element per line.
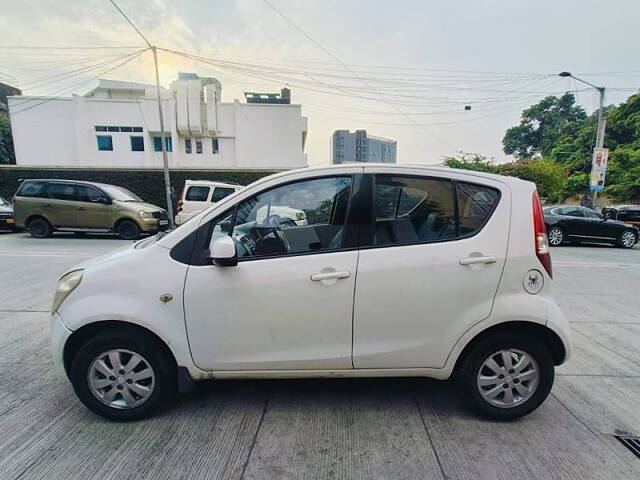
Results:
<point x="81" y="208"/>
<point x="48" y="205"/>
<point x="317" y="277"/>
<point x="475" y="260"/>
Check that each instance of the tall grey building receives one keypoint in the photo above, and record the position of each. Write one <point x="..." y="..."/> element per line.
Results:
<point x="347" y="147"/>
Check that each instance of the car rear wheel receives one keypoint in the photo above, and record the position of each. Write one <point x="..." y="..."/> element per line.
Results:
<point x="40" y="228"/>
<point x="627" y="239"/>
<point x="556" y="236"/>
<point x="123" y="376"/>
<point x="128" y="230"/>
<point x="506" y="376"/>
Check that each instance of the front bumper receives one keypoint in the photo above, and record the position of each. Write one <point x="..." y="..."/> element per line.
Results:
<point x="59" y="336"/>
<point x="7" y="224"/>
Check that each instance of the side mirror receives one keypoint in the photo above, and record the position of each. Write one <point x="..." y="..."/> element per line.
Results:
<point x="103" y="200"/>
<point x="222" y="252"/>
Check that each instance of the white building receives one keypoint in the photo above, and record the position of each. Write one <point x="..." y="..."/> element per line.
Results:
<point x="117" y="125"/>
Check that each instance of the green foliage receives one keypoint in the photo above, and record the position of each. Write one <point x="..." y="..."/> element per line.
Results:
<point x="576" y="184"/>
<point x="623" y="174"/>
<point x="542" y="125"/>
<point x="470" y="161"/>
<point x="148" y="184"/>
<point x="6" y="141"/>
<point x="550" y="177"/>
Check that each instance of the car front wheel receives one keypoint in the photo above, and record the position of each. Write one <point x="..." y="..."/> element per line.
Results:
<point x="128" y="230"/>
<point x="627" y="239"/>
<point x="123" y="376"/>
<point x="506" y="376"/>
<point x="556" y="236"/>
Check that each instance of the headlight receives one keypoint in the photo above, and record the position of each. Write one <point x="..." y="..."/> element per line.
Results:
<point x="144" y="214"/>
<point x="66" y="285"/>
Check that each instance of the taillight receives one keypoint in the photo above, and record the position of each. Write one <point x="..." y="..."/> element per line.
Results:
<point x="540" y="235"/>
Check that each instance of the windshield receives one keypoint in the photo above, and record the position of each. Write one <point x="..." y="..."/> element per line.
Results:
<point x="120" y="194"/>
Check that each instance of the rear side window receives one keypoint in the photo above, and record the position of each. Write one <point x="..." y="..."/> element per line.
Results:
<point x="409" y="209"/>
<point x="197" y="194"/>
<point x="220" y="192"/>
<point x="62" y="191"/>
<point x="475" y="205"/>
<point x="423" y="210"/>
<point x="32" y="189"/>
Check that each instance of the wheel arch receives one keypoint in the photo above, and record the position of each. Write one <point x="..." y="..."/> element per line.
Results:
<point x="542" y="333"/>
<point x="80" y="336"/>
<point x="124" y="219"/>
<point x="34" y="216"/>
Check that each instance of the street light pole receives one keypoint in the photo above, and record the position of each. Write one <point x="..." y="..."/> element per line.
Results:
<point x="601" y="121"/>
<point x="165" y="160"/>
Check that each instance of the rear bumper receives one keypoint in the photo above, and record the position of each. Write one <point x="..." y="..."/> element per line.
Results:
<point x="557" y="321"/>
<point x="59" y="336"/>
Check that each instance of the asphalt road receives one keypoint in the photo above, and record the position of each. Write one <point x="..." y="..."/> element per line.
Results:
<point x="383" y="428"/>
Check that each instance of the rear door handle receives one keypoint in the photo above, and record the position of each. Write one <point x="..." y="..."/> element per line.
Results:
<point x="474" y="260"/>
<point x="317" y="277"/>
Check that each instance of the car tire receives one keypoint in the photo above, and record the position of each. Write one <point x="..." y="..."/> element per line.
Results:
<point x="488" y="394"/>
<point x="145" y="389"/>
<point x="628" y="239"/>
<point x="128" y="230"/>
<point x="555" y="236"/>
<point x="40" y="228"/>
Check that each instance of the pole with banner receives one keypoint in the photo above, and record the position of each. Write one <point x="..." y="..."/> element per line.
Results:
<point x="598" y="169"/>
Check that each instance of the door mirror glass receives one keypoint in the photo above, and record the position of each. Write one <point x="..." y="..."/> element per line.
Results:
<point x="103" y="200"/>
<point x="222" y="251"/>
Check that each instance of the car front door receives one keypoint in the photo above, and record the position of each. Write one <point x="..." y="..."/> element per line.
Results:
<point x="95" y="209"/>
<point x="432" y="268"/>
<point x="61" y="206"/>
<point x="597" y="228"/>
<point x="288" y="303"/>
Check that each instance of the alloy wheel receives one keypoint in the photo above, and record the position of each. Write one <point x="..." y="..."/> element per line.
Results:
<point x="121" y="379"/>
<point x="628" y="239"/>
<point x="508" y="378"/>
<point x="555" y="236"/>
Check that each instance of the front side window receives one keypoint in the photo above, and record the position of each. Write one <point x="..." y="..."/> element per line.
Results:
<point x="89" y="194"/>
<point x="105" y="143"/>
<point x="220" y="192"/>
<point x="197" y="194"/>
<point x="409" y="209"/>
<point x="62" y="191"/>
<point x="301" y="217"/>
<point x="137" y="144"/>
<point x="591" y="214"/>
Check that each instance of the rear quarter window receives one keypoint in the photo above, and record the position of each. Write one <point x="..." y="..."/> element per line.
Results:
<point x="32" y="189"/>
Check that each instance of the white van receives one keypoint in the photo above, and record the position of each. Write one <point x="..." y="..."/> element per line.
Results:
<point x="200" y="194"/>
<point x="396" y="271"/>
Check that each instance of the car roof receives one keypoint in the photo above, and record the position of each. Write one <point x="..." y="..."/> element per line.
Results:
<point x="62" y="180"/>
<point x="211" y="183"/>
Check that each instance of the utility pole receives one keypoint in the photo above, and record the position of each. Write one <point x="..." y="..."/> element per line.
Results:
<point x="163" y="140"/>
<point x="601" y="121"/>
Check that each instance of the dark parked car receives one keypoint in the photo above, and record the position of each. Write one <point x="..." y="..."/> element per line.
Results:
<point x="625" y="213"/>
<point x="574" y="224"/>
<point x="6" y="215"/>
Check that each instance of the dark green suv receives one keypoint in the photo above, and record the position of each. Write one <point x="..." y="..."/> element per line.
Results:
<point x="45" y="206"/>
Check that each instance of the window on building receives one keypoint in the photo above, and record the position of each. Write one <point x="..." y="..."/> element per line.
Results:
<point x="187" y="145"/>
<point x="113" y="129"/>
<point x="220" y="192"/>
<point x="197" y="194"/>
<point x="105" y="143"/>
<point x="137" y="129"/>
<point x="157" y="144"/>
<point x="215" y="148"/>
<point x="137" y="144"/>
<point x="126" y="129"/>
<point x="199" y="145"/>
<point x="101" y="128"/>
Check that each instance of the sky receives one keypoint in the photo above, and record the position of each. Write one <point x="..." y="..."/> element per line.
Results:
<point x="402" y="70"/>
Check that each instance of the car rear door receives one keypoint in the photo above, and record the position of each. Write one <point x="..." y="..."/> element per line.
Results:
<point x="61" y="206"/>
<point x="430" y="267"/>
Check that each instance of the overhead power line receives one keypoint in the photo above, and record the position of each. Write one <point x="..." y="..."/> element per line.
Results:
<point x="349" y="69"/>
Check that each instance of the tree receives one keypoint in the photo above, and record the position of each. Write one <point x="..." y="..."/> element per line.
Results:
<point x="7" y="154"/>
<point x="542" y="125"/>
<point x="470" y="161"/>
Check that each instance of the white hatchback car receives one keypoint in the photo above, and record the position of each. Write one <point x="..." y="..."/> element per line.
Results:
<point x="397" y="271"/>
